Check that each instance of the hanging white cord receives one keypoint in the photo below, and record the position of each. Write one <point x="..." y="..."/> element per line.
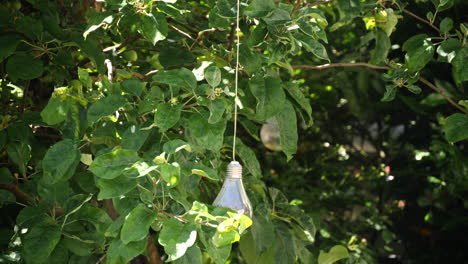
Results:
<point x="236" y="81"/>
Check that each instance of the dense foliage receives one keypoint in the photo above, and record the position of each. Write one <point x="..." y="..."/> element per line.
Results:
<point x="116" y="128"/>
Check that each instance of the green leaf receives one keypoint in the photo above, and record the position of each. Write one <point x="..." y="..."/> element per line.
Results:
<point x="299" y="97"/>
<point x="115" y="187"/>
<point x="133" y="87"/>
<point x="180" y="77"/>
<point x="19" y="153"/>
<point x="287" y="125"/>
<point x="446" y="25"/>
<point x="204" y="171"/>
<point x="382" y="47"/>
<point x="39" y="242"/>
<point x="312" y="45"/>
<point x="137" y="223"/>
<point x="206" y="135"/>
<point x="213" y="76"/>
<point x="6" y="197"/>
<point x="442" y="5"/>
<point x="221" y="239"/>
<point x="460" y="71"/>
<point x="192" y="256"/>
<point x="176" y="145"/>
<point x="90" y="47"/>
<point x="85" y="79"/>
<point x="24" y="66"/>
<point x="167" y="115"/>
<point x="113" y="164"/>
<point x="170" y="173"/>
<point x="176" y="237"/>
<point x="250" y="127"/>
<point x="55" y="111"/>
<point x="414" y="88"/>
<point x="104" y="107"/>
<point x="59" y="255"/>
<point x="29" y="26"/>
<point x="250" y="60"/>
<point x="390" y="93"/>
<point x="336" y="253"/>
<point x="269" y="94"/>
<point x="285" y="252"/>
<point x="218" y="254"/>
<point x="60" y="161"/>
<point x="226" y="8"/>
<point x="419" y="51"/>
<point x="8" y="42"/>
<point x="247" y="156"/>
<point x="133" y="138"/>
<point x="54" y="193"/>
<point x="93" y="215"/>
<point x="31" y="214"/>
<point x="259" y="8"/>
<point x="263" y="233"/>
<point x="278" y="17"/>
<point x="216" y="107"/>
<point x="153" y="27"/>
<point x="448" y="49"/>
<point x="96" y="20"/>
<point x="456" y="127"/>
<point x="121" y="253"/>
<point x="6" y="176"/>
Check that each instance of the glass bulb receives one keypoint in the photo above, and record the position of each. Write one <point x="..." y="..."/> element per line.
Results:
<point x="232" y="194"/>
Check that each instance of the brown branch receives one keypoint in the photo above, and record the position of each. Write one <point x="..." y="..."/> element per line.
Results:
<point x="367" y="65"/>
<point x="21" y="196"/>
<point x="101" y="259"/>
<point x="433" y="87"/>
<point x="110" y="210"/>
<point x="152" y="250"/>
<point x="188" y="36"/>
<point x="421" y="19"/>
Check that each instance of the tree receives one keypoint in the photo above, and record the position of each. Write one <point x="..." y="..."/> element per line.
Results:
<point x="117" y="123"/>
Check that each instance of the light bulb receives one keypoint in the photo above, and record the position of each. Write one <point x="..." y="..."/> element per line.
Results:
<point x="232" y="194"/>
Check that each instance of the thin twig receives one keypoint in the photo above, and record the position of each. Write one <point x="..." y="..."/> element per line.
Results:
<point x="180" y="218"/>
<point x="420" y="19"/>
<point x="335" y="65"/>
<point x="113" y="47"/>
<point x="101" y="259"/>
<point x="433" y="87"/>
<point x="153" y="72"/>
<point x="188" y="36"/>
<point x="367" y="65"/>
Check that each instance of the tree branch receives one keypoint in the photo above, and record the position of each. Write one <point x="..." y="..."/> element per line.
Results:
<point x="188" y="36"/>
<point x="367" y="65"/>
<point x="152" y="251"/>
<point x="21" y="196"/>
<point x="421" y="19"/>
<point x="433" y="87"/>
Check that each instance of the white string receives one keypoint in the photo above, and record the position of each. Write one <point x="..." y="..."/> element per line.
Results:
<point x="236" y="81"/>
